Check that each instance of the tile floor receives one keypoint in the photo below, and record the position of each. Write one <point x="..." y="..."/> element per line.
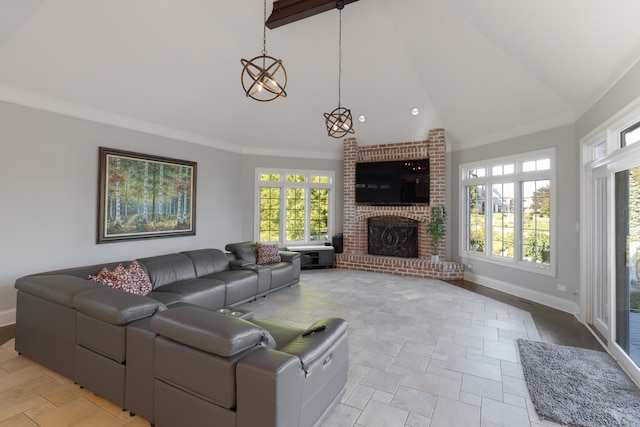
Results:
<point x="422" y="353"/>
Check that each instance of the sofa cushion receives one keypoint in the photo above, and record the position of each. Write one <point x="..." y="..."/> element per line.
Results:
<point x="208" y="261"/>
<point x="282" y="274"/>
<point x="241" y="285"/>
<point x="166" y="269"/>
<point x="208" y="293"/>
<point x="268" y="253"/>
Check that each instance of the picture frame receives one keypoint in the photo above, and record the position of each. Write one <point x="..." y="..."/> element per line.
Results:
<point x="142" y="196"/>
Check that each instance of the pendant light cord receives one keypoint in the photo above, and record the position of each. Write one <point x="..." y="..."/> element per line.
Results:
<point x="339" y="58"/>
<point x="264" y="29"/>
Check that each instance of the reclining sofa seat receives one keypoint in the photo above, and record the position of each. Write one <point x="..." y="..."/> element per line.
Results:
<point x="285" y="273"/>
<point x="215" y="369"/>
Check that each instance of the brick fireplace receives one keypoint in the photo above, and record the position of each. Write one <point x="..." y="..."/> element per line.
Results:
<point x="356" y="216"/>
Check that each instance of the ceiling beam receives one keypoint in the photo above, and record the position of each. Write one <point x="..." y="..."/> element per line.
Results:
<point x="288" y="11"/>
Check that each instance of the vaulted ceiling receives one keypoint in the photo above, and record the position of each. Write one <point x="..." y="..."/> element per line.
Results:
<point x="483" y="70"/>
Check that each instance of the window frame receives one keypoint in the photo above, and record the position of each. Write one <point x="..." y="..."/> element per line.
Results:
<point x="518" y="178"/>
<point x="283" y="184"/>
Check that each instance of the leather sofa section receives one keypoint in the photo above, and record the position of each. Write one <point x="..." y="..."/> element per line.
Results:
<point x="167" y="269"/>
<point x="313" y="346"/>
<point x="206" y="375"/>
<point x="242" y="285"/>
<point x="104" y="338"/>
<point x="193" y="412"/>
<point x="325" y="382"/>
<point x="209" y="331"/>
<point x="281" y="274"/>
<point x="270" y="385"/>
<point x="46" y="333"/>
<point x="208" y="261"/>
<point x="140" y="375"/>
<point x="284" y="273"/>
<point x="244" y="250"/>
<point x="103" y="376"/>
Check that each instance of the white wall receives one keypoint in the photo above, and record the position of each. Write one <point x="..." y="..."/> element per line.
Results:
<point x="532" y="286"/>
<point x="48" y="195"/>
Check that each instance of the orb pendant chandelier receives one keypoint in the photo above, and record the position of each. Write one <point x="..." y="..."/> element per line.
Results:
<point x="263" y="77"/>
<point x="339" y="122"/>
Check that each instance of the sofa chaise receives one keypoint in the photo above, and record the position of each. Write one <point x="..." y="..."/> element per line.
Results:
<point x="149" y="353"/>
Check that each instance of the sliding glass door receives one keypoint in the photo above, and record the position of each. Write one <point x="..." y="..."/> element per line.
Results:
<point x="627" y="261"/>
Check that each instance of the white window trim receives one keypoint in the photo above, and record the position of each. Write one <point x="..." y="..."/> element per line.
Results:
<point x="616" y="159"/>
<point x="307" y="185"/>
<point x="517" y="177"/>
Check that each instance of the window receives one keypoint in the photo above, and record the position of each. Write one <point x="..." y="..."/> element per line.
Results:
<point x="630" y="136"/>
<point x="508" y="211"/>
<point x="293" y="206"/>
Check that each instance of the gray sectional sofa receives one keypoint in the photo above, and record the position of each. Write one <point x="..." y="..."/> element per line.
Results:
<point x="170" y="356"/>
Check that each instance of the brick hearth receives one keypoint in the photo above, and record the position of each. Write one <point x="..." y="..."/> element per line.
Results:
<point x="355" y="216"/>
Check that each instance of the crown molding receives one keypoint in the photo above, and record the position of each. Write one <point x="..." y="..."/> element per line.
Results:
<point x="54" y="105"/>
<point x="619" y="71"/>
<point x="550" y="123"/>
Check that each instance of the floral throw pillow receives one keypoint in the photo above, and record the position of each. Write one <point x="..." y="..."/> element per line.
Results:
<point x="132" y="279"/>
<point x="268" y="253"/>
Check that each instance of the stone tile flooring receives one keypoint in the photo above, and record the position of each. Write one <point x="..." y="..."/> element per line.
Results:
<point x="422" y="353"/>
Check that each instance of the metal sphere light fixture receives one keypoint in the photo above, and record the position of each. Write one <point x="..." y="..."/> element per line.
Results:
<point x="264" y="77"/>
<point x="339" y="122"/>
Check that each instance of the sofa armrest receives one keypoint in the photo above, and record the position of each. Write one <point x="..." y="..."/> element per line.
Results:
<point x="289" y="256"/>
<point x="236" y="264"/>
<point x="209" y="331"/>
<point x="113" y="306"/>
<point x="269" y="389"/>
<point x="310" y="345"/>
<point x="58" y="288"/>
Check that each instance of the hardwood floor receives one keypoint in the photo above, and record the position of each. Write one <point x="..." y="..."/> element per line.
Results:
<point x="31" y="395"/>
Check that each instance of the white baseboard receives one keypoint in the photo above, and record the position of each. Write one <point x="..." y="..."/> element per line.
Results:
<point x="7" y="317"/>
<point x="528" y="294"/>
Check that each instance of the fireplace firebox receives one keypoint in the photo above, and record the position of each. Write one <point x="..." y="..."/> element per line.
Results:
<point x="393" y="236"/>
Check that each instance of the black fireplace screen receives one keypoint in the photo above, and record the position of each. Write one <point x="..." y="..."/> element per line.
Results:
<point x="393" y="236"/>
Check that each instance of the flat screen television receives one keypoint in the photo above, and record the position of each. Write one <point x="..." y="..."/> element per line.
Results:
<point x="393" y="183"/>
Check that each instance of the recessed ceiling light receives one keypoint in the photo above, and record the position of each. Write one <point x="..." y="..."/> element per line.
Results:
<point x="415" y="111"/>
<point x="362" y="118"/>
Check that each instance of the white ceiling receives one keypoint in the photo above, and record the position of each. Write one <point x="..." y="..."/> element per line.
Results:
<point x="483" y="70"/>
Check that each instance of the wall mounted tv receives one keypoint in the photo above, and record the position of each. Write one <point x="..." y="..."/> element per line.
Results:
<point x="393" y="183"/>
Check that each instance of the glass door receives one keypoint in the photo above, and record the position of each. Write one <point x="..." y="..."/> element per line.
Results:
<point x="627" y="261"/>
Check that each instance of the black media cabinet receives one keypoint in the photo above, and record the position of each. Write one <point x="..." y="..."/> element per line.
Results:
<point x="314" y="256"/>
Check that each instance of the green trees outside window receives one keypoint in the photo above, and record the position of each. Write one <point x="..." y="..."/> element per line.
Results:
<point x="508" y="209"/>
<point x="294" y="207"/>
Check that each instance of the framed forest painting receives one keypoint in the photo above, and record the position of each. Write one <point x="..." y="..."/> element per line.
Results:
<point x="144" y="196"/>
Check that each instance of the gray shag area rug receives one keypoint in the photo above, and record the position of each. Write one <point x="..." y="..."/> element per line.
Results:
<point x="578" y="387"/>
